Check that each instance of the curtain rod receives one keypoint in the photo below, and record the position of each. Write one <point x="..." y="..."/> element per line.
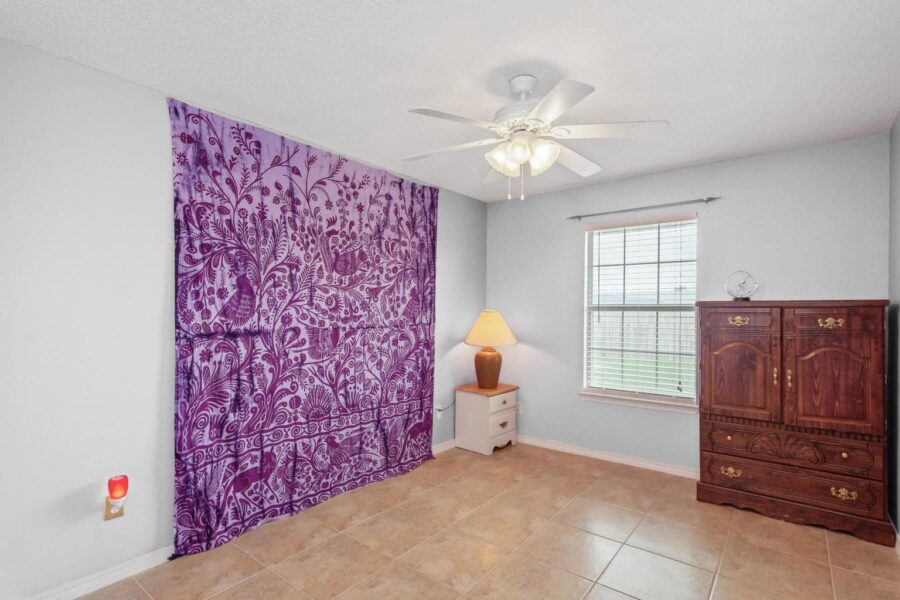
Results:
<point x="706" y="200"/>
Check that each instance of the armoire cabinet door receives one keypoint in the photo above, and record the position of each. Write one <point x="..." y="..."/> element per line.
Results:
<point x="833" y="369"/>
<point x="740" y="362"/>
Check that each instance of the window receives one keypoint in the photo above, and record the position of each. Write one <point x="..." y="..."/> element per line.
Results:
<point x="639" y="312"/>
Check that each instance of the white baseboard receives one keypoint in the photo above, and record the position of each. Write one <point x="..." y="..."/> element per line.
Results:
<point x="444" y="446"/>
<point x="109" y="576"/>
<point x="624" y="459"/>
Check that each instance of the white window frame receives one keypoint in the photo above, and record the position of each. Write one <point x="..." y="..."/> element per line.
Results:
<point x="624" y="397"/>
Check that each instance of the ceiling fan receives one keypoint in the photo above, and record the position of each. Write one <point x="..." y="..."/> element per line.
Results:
<point x="523" y="131"/>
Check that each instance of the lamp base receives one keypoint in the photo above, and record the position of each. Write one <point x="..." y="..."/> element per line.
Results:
<point x="487" y="368"/>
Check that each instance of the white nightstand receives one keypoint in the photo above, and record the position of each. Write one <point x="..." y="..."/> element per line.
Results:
<point x="485" y="419"/>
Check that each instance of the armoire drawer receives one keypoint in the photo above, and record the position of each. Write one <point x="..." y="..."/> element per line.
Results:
<point x="740" y="317"/>
<point x="844" y="494"/>
<point x="834" y="321"/>
<point x="835" y="455"/>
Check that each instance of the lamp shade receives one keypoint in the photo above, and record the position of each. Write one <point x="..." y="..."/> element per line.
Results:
<point x="490" y="329"/>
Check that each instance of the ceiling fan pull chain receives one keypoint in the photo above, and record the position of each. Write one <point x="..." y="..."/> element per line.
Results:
<point x="522" y="175"/>
<point x="509" y="188"/>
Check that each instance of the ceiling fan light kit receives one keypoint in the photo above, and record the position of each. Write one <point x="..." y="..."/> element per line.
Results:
<point x="524" y="133"/>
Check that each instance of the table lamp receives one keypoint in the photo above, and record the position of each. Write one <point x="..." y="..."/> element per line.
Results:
<point x="489" y="330"/>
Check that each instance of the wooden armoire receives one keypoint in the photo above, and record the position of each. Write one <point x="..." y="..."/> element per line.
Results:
<point x="792" y="412"/>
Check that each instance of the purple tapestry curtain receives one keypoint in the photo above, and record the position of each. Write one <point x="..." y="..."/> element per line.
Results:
<point x="304" y="325"/>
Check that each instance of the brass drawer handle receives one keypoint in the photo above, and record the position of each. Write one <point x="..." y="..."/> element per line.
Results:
<point x="739" y="321"/>
<point x="831" y="323"/>
<point x="775" y="376"/>
<point x="730" y="472"/>
<point x="844" y="494"/>
<point x="789" y="374"/>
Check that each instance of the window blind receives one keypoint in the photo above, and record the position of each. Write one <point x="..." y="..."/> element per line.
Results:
<point x="639" y="312"/>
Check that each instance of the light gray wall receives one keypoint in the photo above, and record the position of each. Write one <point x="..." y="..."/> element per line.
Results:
<point x="808" y="224"/>
<point x="460" y="297"/>
<point x="86" y="317"/>
<point x="893" y="412"/>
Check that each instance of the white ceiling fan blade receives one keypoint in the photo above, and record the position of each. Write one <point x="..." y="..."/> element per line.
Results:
<point x="561" y="98"/>
<point x="466" y="146"/>
<point x="577" y="163"/>
<point x="625" y="129"/>
<point x="438" y="114"/>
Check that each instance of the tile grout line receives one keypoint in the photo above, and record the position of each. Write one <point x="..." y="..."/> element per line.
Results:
<point x="829" y="532"/>
<point x="288" y="582"/>
<point x="830" y="567"/>
<point x="143" y="589"/>
<point x="861" y="574"/>
<point x="718" y="573"/>
<point x="402" y="564"/>
<point x="237" y="583"/>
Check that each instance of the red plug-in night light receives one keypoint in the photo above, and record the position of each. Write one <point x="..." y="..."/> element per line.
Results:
<point x="115" y="501"/>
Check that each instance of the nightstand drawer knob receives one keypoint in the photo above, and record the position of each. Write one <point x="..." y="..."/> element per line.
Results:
<point x="504" y="424"/>
<point x="728" y="437"/>
<point x="844" y="455"/>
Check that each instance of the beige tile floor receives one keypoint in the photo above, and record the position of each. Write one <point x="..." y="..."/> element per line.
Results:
<point x="526" y="523"/>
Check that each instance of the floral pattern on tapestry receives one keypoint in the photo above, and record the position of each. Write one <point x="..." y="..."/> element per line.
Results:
<point x="304" y="325"/>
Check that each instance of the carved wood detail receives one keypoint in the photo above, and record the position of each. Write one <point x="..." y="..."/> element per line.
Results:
<point x="785" y="446"/>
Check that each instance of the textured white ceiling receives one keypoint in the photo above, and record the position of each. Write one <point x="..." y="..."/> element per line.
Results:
<point x="735" y="77"/>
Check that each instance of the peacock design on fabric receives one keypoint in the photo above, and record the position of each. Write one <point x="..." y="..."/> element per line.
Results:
<point x="242" y="303"/>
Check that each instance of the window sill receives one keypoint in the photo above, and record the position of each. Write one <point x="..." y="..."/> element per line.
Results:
<point x="605" y="397"/>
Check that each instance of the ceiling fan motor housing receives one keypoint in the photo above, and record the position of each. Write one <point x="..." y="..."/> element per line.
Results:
<point x="517" y="111"/>
<point x="522" y="88"/>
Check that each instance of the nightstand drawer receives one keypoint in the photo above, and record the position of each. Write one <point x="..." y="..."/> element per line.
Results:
<point x="502" y="401"/>
<point x="502" y="423"/>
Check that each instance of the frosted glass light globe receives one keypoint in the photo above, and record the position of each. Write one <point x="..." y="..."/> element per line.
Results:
<point x="499" y="160"/>
<point x="519" y="149"/>
<point x="543" y="155"/>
